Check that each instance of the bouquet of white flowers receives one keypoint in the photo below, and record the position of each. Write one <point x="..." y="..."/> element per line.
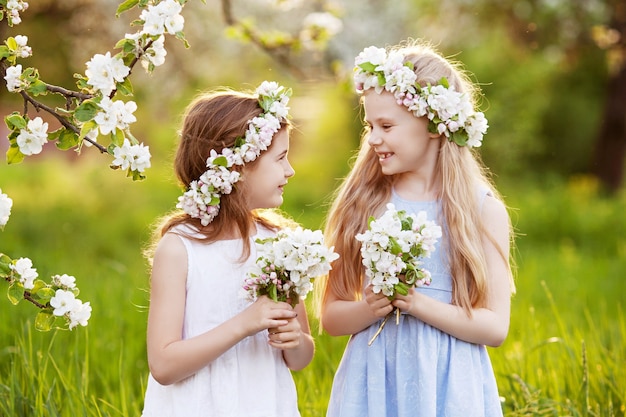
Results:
<point x="391" y="251"/>
<point x="287" y="265"/>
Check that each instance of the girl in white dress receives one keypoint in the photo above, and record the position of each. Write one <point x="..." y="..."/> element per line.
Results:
<point x="210" y="351"/>
<point x="417" y="152"/>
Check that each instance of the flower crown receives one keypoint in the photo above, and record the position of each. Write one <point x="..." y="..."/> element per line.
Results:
<point x="449" y="112"/>
<point x="202" y="198"/>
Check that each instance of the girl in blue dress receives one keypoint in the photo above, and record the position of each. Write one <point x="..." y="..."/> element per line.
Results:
<point x="418" y="152"/>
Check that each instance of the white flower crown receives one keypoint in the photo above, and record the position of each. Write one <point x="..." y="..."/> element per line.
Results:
<point x="202" y="198"/>
<point x="450" y="112"/>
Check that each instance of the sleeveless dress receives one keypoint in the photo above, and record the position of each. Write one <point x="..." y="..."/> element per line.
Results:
<point x="251" y="379"/>
<point x="414" y="369"/>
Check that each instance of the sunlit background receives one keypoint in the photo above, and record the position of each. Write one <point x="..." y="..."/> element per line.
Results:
<point x="553" y="74"/>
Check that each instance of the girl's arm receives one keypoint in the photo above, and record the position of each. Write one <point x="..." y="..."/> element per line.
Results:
<point x="344" y="317"/>
<point x="294" y="339"/>
<point x="488" y="325"/>
<point x="171" y="358"/>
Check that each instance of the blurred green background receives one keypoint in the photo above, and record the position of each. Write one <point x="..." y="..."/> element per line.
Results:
<point x="547" y="69"/>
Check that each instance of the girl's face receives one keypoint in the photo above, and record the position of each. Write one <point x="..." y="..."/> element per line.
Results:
<point x="402" y="141"/>
<point x="266" y="178"/>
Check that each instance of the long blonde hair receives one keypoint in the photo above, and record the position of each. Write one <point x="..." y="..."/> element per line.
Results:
<point x="213" y="121"/>
<point x="366" y="190"/>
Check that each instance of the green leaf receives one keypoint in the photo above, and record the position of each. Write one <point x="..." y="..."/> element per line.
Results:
<point x="86" y="111"/>
<point x="410" y="276"/>
<point x="138" y="176"/>
<point x="407" y="222"/>
<point x="5" y="52"/>
<point x="15" y="121"/>
<point x="125" y="6"/>
<point x="368" y="67"/>
<point x="395" y="247"/>
<point x="44" y="320"/>
<point x="37" y="88"/>
<point x="5" y="262"/>
<point x="125" y="87"/>
<point x="67" y="140"/>
<point x="15" y="293"/>
<point x="181" y="37"/>
<point x="117" y="138"/>
<point x="11" y="43"/>
<point x="401" y="288"/>
<point x="221" y="161"/>
<point x="37" y="286"/>
<point x="14" y="155"/>
<point x="459" y="137"/>
<point x="273" y="292"/>
<point x="381" y="79"/>
<point x="86" y="128"/>
<point x="44" y="295"/>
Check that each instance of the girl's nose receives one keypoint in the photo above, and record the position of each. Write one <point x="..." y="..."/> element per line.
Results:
<point x="374" y="140"/>
<point x="289" y="171"/>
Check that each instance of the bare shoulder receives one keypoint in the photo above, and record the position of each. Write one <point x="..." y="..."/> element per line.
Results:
<point x="495" y="218"/>
<point x="170" y="245"/>
<point x="494" y="210"/>
<point x="170" y="259"/>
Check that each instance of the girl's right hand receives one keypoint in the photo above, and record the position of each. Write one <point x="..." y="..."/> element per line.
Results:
<point x="379" y="303"/>
<point x="265" y="314"/>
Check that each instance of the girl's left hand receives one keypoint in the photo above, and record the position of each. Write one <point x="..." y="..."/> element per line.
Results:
<point x="406" y="303"/>
<point x="287" y="336"/>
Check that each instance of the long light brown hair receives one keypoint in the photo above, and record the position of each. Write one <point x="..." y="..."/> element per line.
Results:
<point x="213" y="121"/>
<point x="366" y="190"/>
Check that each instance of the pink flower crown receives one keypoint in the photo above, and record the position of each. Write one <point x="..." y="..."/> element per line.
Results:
<point x="202" y="198"/>
<point x="449" y="112"/>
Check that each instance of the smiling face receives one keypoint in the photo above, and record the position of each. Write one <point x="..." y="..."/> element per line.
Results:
<point x="402" y="141"/>
<point x="266" y="178"/>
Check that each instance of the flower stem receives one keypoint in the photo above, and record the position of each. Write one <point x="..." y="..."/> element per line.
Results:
<point x="380" y="329"/>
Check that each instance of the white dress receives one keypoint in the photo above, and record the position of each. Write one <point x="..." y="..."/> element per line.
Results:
<point x="251" y="379"/>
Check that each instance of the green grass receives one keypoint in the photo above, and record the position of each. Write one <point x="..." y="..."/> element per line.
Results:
<point x="565" y="354"/>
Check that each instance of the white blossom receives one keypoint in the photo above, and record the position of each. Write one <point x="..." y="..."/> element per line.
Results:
<point x="450" y="112"/>
<point x="289" y="262"/>
<point x="135" y="157"/>
<point x="325" y="21"/>
<point x="27" y="274"/>
<point x="14" y="7"/>
<point x="79" y="314"/>
<point x="66" y="281"/>
<point x="390" y="248"/>
<point x="63" y="302"/>
<point x="115" y="115"/>
<point x="31" y="140"/>
<point x="12" y="77"/>
<point x="5" y="208"/>
<point x="155" y="54"/>
<point x="103" y="71"/>
<point x="23" y="50"/>
<point x="163" y="17"/>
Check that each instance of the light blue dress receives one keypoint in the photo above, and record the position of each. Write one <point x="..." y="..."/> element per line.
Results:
<point x="414" y="369"/>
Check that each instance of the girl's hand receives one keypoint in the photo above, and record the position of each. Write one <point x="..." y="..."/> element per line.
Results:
<point x="265" y="314"/>
<point x="378" y="303"/>
<point x="287" y="336"/>
<point x="406" y="303"/>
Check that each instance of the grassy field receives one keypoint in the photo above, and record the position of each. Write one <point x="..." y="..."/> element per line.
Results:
<point x="565" y="354"/>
